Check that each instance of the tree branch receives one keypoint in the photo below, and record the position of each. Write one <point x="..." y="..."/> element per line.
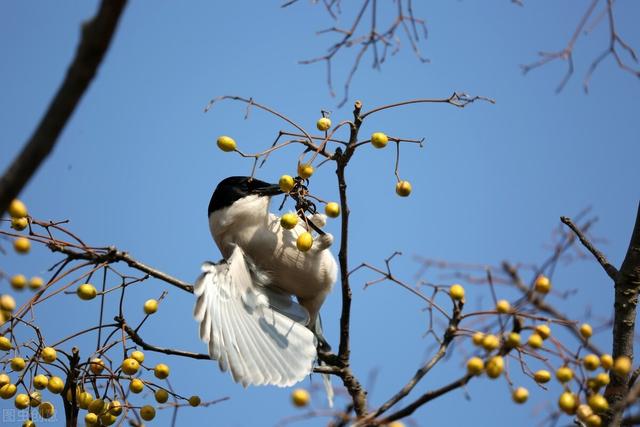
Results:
<point x="112" y="255"/>
<point x="627" y="285"/>
<point x="610" y="269"/>
<point x="544" y="307"/>
<point x="138" y="340"/>
<point x="96" y="37"/>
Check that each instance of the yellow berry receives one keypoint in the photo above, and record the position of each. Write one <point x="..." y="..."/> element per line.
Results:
<point x="332" y="209"/>
<point x="300" y="397"/>
<point x="46" y="410"/>
<point x="305" y="170"/>
<point x="40" y="382"/>
<point x="138" y="356"/>
<point x="96" y="366"/>
<point x="323" y="124"/>
<point x="136" y="385"/>
<point x="108" y="419"/>
<point x="289" y="220"/>
<point x="49" y="354"/>
<point x="18" y="282"/>
<point x="520" y="395"/>
<point x="622" y="365"/>
<point x="535" y="341"/>
<point x="586" y="330"/>
<point x="226" y="143"/>
<point x="161" y="371"/>
<point x="22" y="245"/>
<point x="542" y="376"/>
<point x="564" y="374"/>
<point x="583" y="412"/>
<point x="150" y="306"/>
<point x="7" y="303"/>
<point x="28" y="423"/>
<point x="503" y="306"/>
<point x="304" y="241"/>
<point x="598" y="403"/>
<point x="495" y="366"/>
<point x="147" y="412"/>
<point x="18" y="364"/>
<point x="542" y="284"/>
<point x="19" y="223"/>
<point x="130" y="366"/>
<point x="544" y="331"/>
<point x="21" y="401"/>
<point x="86" y="292"/>
<point x="4" y="379"/>
<point x="602" y="379"/>
<point x="161" y="395"/>
<point x="490" y="342"/>
<point x="17" y="209"/>
<point x="568" y="402"/>
<point x="97" y="406"/>
<point x="606" y="361"/>
<point x="457" y="292"/>
<point x="194" y="401"/>
<point x="115" y="407"/>
<point x="7" y="391"/>
<point x="5" y="344"/>
<point x="379" y="140"/>
<point x="477" y="338"/>
<point x="403" y="188"/>
<point x="475" y="366"/>
<point x="55" y="385"/>
<point x="594" y="420"/>
<point x="84" y="399"/>
<point x="513" y="339"/>
<point x="91" y="419"/>
<point x="286" y="183"/>
<point x="35" y="399"/>
<point x="35" y="283"/>
<point x="591" y="362"/>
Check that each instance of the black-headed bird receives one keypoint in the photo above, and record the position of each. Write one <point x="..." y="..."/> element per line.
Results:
<point x="247" y="317"/>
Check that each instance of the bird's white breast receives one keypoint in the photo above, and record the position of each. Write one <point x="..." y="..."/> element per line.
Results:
<point x="248" y="224"/>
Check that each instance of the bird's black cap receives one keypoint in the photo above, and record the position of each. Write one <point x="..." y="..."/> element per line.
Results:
<point x="236" y="187"/>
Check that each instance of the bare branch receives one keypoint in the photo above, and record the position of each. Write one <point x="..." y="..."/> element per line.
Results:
<point x="96" y="38"/>
<point x="610" y="269"/>
<point x="111" y="255"/>
<point x="138" y="340"/>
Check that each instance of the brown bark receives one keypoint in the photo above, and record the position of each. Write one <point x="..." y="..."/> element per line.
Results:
<point x="627" y="286"/>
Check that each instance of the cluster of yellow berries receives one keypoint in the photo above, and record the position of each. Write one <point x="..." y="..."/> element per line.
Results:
<point x="306" y="170"/>
<point x="19" y="221"/>
<point x="289" y="220"/>
<point x="40" y="382"/>
<point x="596" y="403"/>
<point x="569" y="402"/>
<point x="99" y="411"/>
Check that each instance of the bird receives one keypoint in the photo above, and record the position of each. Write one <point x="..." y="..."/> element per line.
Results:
<point x="244" y="304"/>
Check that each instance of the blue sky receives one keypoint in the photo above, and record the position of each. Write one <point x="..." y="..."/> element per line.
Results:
<point x="136" y="165"/>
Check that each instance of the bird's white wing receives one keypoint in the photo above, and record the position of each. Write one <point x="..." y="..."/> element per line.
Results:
<point x="257" y="333"/>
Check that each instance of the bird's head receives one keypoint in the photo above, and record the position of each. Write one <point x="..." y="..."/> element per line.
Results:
<point x="240" y="200"/>
<point x="240" y="189"/>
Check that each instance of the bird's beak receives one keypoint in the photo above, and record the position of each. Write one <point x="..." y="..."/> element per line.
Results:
<point x="270" y="190"/>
